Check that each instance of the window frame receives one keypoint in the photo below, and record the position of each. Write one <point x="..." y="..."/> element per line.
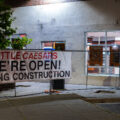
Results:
<point x="104" y="45"/>
<point x="53" y="41"/>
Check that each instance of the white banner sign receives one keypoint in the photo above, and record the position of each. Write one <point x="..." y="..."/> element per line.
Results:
<point x="24" y="65"/>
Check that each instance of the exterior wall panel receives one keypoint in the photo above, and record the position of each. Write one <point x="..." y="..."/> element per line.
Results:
<point x="69" y="22"/>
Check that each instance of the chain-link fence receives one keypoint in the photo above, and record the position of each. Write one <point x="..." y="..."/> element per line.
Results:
<point x="29" y="72"/>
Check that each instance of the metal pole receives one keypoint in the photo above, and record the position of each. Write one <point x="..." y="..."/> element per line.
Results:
<point x="119" y="70"/>
<point x="87" y="75"/>
<point x="50" y="92"/>
<point x="15" y="90"/>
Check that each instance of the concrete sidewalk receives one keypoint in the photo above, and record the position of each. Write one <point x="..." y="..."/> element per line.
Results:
<point x="26" y="88"/>
<point x="54" y="107"/>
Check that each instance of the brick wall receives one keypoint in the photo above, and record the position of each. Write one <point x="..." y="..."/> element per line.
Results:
<point x="20" y="3"/>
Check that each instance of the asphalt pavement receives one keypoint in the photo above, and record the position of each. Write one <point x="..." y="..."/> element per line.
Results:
<point x="75" y="102"/>
<point x="112" y="107"/>
<point x="54" y="107"/>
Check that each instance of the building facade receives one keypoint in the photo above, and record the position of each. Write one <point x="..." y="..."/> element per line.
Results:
<point x="75" y="24"/>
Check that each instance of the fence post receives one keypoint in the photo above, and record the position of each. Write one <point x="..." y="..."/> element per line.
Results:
<point x="50" y="92"/>
<point x="119" y="71"/>
<point x="15" y="90"/>
<point x="87" y="77"/>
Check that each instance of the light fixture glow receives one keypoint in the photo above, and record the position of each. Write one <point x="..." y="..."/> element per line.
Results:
<point x="53" y="9"/>
<point x="115" y="47"/>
